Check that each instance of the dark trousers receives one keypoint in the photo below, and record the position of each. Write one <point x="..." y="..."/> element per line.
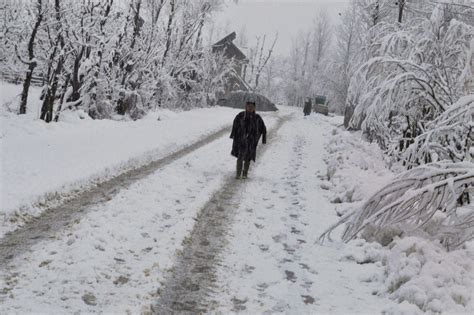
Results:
<point x="245" y="164"/>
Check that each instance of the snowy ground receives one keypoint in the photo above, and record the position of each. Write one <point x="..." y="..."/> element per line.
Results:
<point x="282" y="213"/>
<point x="115" y="258"/>
<point x="118" y="253"/>
<point x="41" y="163"/>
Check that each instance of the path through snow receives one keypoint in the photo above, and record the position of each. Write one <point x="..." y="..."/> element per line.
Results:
<point x="193" y="277"/>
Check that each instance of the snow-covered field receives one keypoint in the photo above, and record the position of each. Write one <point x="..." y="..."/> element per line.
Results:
<point x="42" y="162"/>
<point x="115" y="258"/>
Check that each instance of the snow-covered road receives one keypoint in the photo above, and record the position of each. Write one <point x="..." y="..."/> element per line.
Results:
<point x="272" y="264"/>
<point x="119" y="256"/>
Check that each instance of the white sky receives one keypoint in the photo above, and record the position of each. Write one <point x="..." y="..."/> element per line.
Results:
<point x="287" y="17"/>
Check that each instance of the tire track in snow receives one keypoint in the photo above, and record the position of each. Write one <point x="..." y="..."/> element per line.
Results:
<point x="189" y="283"/>
<point x="68" y="213"/>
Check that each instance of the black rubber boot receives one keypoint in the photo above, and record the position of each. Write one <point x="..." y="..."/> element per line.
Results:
<point x="246" y="169"/>
<point x="239" y="168"/>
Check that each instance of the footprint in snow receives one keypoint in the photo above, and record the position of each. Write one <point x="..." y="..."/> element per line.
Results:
<point x="295" y="230"/>
<point x="263" y="247"/>
<point x="278" y="238"/>
<point x="308" y="299"/>
<point x="262" y="286"/>
<point x="288" y="249"/>
<point x="248" y="269"/>
<point x="238" y="305"/>
<point x="290" y="276"/>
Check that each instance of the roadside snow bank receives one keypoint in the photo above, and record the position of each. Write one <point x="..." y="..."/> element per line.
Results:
<point x="420" y="275"/>
<point x="43" y="162"/>
<point x="423" y="273"/>
<point x="355" y="168"/>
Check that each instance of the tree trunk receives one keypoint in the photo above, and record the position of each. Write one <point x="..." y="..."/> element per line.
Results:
<point x="137" y="24"/>
<point x="26" y="87"/>
<point x="48" y="104"/>
<point x="31" y="63"/>
<point x="168" y="33"/>
<point x="401" y="5"/>
<point x="136" y="32"/>
<point x="61" y="102"/>
<point x="76" y="81"/>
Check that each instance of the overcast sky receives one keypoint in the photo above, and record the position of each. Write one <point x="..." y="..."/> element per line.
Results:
<point x="287" y="17"/>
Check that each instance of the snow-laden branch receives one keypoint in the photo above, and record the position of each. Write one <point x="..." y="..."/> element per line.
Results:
<point x="448" y="137"/>
<point x="412" y="199"/>
<point x="414" y="73"/>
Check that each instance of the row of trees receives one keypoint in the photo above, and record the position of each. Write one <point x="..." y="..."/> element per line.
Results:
<point x="393" y="68"/>
<point x="107" y="57"/>
<point x="409" y="75"/>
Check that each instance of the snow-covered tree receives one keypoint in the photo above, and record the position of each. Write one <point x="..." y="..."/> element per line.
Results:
<point x="307" y="66"/>
<point x="447" y="137"/>
<point x="345" y="56"/>
<point x="259" y="56"/>
<point x="109" y="57"/>
<point x="416" y="73"/>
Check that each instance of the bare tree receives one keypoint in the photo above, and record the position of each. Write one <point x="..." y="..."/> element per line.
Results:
<point x="345" y="56"/>
<point x="401" y="7"/>
<point x="322" y="36"/>
<point x="53" y="80"/>
<point x="372" y="12"/>
<point x="258" y="59"/>
<point x="169" y="31"/>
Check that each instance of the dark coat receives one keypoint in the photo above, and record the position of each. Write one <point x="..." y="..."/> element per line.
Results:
<point x="307" y="108"/>
<point x="246" y="132"/>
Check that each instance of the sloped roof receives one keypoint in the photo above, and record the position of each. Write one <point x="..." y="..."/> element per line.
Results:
<point x="229" y="38"/>
<point x="238" y="99"/>
<point x="227" y="44"/>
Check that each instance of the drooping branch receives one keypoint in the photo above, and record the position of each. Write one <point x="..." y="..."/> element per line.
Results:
<point x="411" y="200"/>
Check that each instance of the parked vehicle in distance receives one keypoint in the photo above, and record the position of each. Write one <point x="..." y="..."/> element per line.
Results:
<point x="320" y="105"/>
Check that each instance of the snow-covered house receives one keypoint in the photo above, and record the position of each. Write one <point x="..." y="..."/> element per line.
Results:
<point x="231" y="51"/>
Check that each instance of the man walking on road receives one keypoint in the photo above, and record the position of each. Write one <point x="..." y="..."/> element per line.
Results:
<point x="247" y="129"/>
